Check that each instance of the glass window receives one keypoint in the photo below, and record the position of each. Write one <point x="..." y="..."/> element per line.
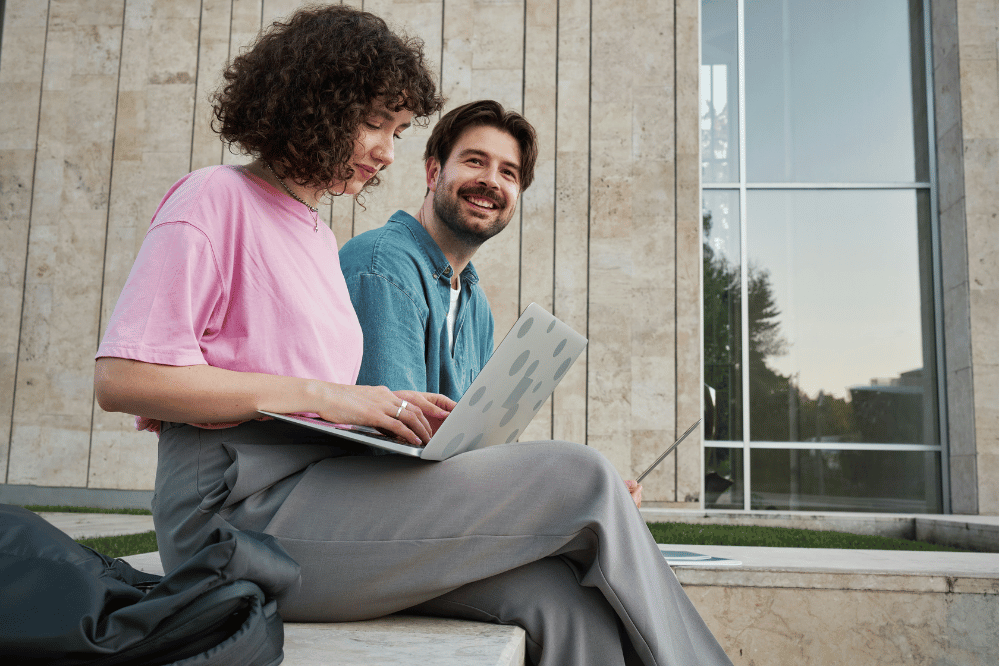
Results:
<point x="821" y="331"/>
<point x="841" y="330"/>
<point x="719" y="93"/>
<point x="835" y="91"/>
<point x="722" y="316"/>
<point x="839" y="480"/>
<point x="723" y="478"/>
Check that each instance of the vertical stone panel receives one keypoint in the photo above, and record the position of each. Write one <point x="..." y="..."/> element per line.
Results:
<point x="688" y="250"/>
<point x="538" y="201"/>
<point x="21" y="80"/>
<point x="612" y="267"/>
<point x="483" y="58"/>
<point x="340" y="212"/>
<point x="403" y="183"/>
<point x="279" y="10"/>
<point x="213" y="52"/>
<point x="53" y="400"/>
<point x="954" y="256"/>
<point x="572" y="209"/>
<point x="456" y="55"/>
<point x="653" y="423"/>
<point x="245" y="24"/>
<point x="976" y="22"/>
<point x="153" y="148"/>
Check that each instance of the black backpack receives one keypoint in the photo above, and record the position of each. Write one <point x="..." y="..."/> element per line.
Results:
<point x="63" y="604"/>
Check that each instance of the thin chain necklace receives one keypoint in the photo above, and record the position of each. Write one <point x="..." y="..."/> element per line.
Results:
<point x="315" y="211"/>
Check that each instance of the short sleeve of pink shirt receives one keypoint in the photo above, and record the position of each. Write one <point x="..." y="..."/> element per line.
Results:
<point x="233" y="274"/>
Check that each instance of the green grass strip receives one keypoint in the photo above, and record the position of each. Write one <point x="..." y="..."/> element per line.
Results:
<point x="123" y="546"/>
<point x="781" y="537"/>
<point x="673" y="533"/>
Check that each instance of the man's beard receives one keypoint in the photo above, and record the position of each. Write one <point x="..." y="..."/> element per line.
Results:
<point x="448" y="209"/>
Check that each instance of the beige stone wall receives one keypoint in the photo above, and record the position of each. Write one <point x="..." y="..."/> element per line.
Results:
<point x="964" y="33"/>
<point x="104" y="107"/>
<point x="771" y="626"/>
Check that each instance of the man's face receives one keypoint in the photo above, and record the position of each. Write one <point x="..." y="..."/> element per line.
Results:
<point x="475" y="191"/>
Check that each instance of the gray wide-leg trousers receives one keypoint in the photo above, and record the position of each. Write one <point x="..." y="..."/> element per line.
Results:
<point x="539" y="534"/>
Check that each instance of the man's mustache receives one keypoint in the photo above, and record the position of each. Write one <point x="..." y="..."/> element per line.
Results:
<point x="484" y="192"/>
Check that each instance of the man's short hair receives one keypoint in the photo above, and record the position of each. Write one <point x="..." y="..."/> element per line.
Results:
<point x="492" y="114"/>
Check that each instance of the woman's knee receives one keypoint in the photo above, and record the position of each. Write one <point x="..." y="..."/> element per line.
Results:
<point x="582" y="469"/>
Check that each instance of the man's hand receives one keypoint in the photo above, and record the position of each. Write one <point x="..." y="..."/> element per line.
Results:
<point x="635" y="490"/>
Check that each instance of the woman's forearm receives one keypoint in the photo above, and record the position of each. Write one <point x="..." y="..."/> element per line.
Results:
<point x="205" y="394"/>
<point x="197" y="393"/>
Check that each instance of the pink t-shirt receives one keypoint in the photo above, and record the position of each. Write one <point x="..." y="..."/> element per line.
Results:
<point x="232" y="274"/>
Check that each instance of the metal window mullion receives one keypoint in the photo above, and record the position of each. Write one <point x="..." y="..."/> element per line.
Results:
<point x="821" y="186"/>
<point x="831" y="446"/>
<point x="844" y="446"/>
<point x="701" y="276"/>
<point x="936" y="267"/>
<point x="744" y="281"/>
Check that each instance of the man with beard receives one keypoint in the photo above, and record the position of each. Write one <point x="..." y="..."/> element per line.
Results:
<point x="426" y="321"/>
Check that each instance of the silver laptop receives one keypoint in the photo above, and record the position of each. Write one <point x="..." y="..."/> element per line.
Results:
<point x="517" y="380"/>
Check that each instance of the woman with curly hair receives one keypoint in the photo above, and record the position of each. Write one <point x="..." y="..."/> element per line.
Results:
<point x="236" y="303"/>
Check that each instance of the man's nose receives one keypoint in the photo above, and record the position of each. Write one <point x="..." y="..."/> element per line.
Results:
<point x="490" y="177"/>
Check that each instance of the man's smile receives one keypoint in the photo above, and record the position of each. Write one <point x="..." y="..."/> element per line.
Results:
<point x="481" y="199"/>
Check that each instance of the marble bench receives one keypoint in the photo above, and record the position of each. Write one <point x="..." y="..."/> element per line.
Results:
<point x="396" y="640"/>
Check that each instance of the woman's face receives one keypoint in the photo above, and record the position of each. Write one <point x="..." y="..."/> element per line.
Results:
<point x="374" y="148"/>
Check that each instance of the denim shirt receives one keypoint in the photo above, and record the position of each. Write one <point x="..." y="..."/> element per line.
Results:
<point x="400" y="284"/>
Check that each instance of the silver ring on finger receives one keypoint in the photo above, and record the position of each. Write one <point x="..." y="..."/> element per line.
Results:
<point x="401" y="408"/>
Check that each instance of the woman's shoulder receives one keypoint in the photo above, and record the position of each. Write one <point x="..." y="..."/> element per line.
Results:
<point x="203" y="198"/>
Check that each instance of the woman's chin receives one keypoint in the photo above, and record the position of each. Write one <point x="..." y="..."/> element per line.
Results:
<point x="350" y="188"/>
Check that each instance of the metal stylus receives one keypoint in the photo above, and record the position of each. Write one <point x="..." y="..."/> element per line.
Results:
<point x="667" y="452"/>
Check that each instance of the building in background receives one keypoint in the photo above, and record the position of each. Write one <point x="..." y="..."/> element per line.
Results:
<point x="779" y="214"/>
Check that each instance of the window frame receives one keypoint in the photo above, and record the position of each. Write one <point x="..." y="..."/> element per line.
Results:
<point x="742" y="187"/>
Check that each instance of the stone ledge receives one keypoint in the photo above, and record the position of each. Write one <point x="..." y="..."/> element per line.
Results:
<point x="90" y="525"/>
<point x="833" y="569"/>
<point x="813" y="607"/>
<point x="403" y="640"/>
<point x="960" y="531"/>
<point x="978" y="532"/>
<point x="397" y="640"/>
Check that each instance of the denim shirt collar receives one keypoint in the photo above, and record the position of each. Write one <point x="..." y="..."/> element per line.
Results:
<point x="440" y="265"/>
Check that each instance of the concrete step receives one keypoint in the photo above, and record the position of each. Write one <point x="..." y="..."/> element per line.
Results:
<point x="90" y="525"/>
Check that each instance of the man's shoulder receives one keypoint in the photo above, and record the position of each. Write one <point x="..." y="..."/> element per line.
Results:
<point x="391" y="251"/>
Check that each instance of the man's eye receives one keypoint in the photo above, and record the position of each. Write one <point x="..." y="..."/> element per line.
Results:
<point x="373" y="126"/>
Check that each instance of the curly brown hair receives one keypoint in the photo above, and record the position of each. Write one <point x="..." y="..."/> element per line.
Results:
<point x="296" y="99"/>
